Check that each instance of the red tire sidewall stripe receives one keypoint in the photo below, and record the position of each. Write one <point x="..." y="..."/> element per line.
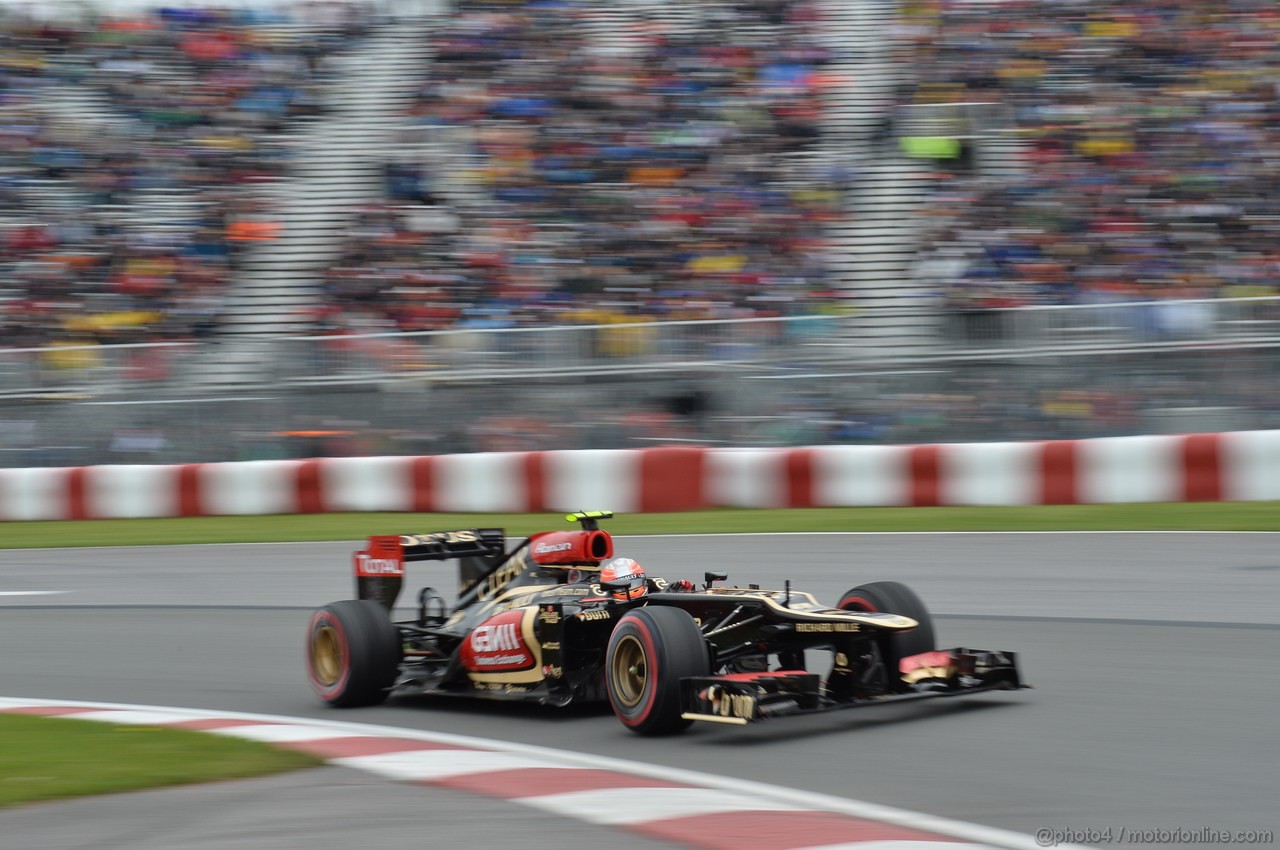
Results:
<point x="327" y="619"/>
<point x="861" y="600"/>
<point x="651" y="674"/>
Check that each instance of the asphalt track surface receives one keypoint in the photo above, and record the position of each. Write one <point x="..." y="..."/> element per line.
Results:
<point x="1152" y="656"/>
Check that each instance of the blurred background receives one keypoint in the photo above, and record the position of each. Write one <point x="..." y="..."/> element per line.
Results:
<point x="296" y="229"/>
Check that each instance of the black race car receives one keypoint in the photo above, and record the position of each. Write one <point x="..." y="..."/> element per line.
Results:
<point x="556" y="620"/>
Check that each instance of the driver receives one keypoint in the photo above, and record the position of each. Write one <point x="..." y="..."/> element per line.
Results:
<point x="638" y="584"/>
<point x="626" y="570"/>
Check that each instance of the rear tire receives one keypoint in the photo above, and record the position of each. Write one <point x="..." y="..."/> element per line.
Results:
<point x="650" y="651"/>
<point x="892" y="597"/>
<point x="353" y="653"/>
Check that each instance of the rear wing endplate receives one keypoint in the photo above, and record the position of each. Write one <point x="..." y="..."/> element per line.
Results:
<point x="379" y="567"/>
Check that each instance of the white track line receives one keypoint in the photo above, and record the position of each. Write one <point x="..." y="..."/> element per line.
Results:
<point x="601" y="806"/>
<point x="430" y="765"/>
<point x="512" y="753"/>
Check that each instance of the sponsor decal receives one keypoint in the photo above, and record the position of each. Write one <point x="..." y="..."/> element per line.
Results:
<point x="550" y="645"/>
<point x="552" y="671"/>
<point x="371" y="567"/>
<point x="498" y="644"/>
<point x="495" y="638"/>
<point x="570" y="548"/>
<point x="550" y="616"/>
<point x="538" y="595"/>
<point x="594" y="615"/>
<point x="569" y="591"/>
<point x="439" y="537"/>
<point x="498" y="579"/>
<point x="828" y="627"/>
<point x="501" y="687"/>
<point x="503" y="661"/>
<point x="382" y="557"/>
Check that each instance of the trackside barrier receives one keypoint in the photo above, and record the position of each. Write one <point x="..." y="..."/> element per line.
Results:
<point x="1234" y="466"/>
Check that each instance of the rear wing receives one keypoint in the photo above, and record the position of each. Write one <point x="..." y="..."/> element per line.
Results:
<point x="379" y="567"/>
<point x="481" y="555"/>
<point x="442" y="545"/>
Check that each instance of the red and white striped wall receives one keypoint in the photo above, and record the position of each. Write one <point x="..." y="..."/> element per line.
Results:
<point x="1235" y="466"/>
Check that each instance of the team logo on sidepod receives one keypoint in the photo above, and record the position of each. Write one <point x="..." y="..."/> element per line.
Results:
<point x="497" y="645"/>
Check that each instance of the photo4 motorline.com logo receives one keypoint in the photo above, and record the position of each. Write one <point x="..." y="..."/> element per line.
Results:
<point x="1054" y="836"/>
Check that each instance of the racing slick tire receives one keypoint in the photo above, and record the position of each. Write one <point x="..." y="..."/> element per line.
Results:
<point x="353" y="653"/>
<point x="650" y="651"/>
<point x="892" y="597"/>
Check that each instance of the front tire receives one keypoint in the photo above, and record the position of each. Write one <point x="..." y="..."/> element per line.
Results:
<point x="892" y="597"/>
<point x="650" y="651"/>
<point x="353" y="653"/>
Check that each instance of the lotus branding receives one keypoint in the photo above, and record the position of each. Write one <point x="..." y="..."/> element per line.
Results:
<point x="498" y="579"/>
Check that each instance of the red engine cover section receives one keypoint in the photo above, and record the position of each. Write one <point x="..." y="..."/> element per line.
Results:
<point x="382" y="557"/>
<point x="562" y="548"/>
<point x="497" y="644"/>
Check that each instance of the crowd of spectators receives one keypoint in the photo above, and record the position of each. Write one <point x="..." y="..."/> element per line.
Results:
<point x="133" y="156"/>
<point x="640" y="170"/>
<point x="1150" y="133"/>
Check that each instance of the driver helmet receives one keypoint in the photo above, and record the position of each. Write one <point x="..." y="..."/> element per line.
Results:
<point x="628" y="570"/>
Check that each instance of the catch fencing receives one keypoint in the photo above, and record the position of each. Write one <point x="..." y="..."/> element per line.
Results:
<point x="1119" y="326"/>
<point x="1042" y="373"/>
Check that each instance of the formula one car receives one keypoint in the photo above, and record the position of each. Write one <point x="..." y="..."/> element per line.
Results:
<point x="558" y="619"/>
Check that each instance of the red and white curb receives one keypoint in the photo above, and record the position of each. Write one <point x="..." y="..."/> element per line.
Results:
<point x="667" y="804"/>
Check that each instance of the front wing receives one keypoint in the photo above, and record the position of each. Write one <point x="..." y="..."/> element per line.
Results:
<point x="742" y="698"/>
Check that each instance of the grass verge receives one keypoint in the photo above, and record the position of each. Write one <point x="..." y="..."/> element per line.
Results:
<point x="1207" y="516"/>
<point x="54" y="758"/>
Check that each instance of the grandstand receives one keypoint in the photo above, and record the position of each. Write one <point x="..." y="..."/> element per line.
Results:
<point x="752" y="222"/>
<point x="1149" y="134"/>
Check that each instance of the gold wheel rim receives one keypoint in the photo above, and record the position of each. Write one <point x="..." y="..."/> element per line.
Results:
<point x="629" y="671"/>
<point x="326" y="655"/>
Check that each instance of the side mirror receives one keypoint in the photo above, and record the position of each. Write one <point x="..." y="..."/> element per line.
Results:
<point x="710" y="578"/>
